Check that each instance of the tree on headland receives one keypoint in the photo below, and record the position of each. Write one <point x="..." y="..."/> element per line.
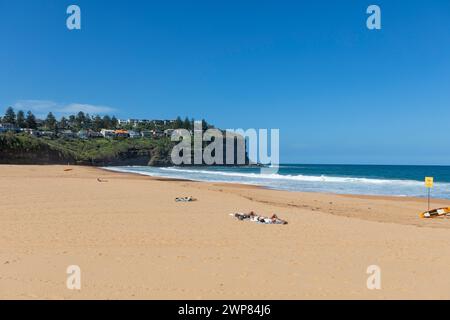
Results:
<point x="107" y="122"/>
<point x="178" y="123"/>
<point x="50" y="122"/>
<point x="30" y="121"/>
<point x="186" y="123"/>
<point x="97" y="123"/>
<point x="80" y="120"/>
<point x="204" y="125"/>
<point x="87" y="121"/>
<point x="114" y="122"/>
<point x="72" y="121"/>
<point x="63" y="123"/>
<point x="10" y="116"/>
<point x="20" y="119"/>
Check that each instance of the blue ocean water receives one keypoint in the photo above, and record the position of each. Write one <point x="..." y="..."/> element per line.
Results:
<point x="343" y="179"/>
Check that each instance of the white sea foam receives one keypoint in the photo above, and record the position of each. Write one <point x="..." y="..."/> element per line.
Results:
<point x="321" y="178"/>
<point x="300" y="182"/>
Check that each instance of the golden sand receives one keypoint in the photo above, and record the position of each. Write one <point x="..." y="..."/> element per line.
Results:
<point x="133" y="241"/>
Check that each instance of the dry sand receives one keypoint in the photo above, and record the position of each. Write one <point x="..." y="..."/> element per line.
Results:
<point x="132" y="241"/>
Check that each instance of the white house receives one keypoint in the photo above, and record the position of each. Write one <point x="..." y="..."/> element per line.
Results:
<point x="134" y="134"/>
<point x="108" y="133"/>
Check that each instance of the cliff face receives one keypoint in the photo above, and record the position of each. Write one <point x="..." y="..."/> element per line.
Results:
<point x="16" y="149"/>
<point x="131" y="157"/>
<point x="19" y="150"/>
<point x="23" y="149"/>
<point x="46" y="155"/>
<point x="41" y="156"/>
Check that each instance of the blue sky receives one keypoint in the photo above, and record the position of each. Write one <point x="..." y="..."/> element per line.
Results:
<point x="338" y="92"/>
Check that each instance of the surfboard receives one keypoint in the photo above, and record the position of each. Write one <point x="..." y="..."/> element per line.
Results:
<point x="435" y="213"/>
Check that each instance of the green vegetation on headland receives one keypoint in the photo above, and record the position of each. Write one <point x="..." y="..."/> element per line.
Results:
<point x="89" y="140"/>
<point x="77" y="139"/>
<point x="26" y="149"/>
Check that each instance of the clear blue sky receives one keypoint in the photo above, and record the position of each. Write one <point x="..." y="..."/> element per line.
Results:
<point x="338" y="92"/>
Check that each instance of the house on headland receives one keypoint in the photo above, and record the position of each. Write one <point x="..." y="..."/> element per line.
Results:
<point x="68" y="134"/>
<point x="89" y="134"/>
<point x="134" y="134"/>
<point x="121" y="133"/>
<point x="5" y="127"/>
<point x="106" y="133"/>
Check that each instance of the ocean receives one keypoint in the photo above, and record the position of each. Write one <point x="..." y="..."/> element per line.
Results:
<point x="341" y="179"/>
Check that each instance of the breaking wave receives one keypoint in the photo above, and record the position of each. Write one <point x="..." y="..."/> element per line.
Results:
<point x="297" y="182"/>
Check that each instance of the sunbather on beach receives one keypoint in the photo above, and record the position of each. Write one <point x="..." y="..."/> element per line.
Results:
<point x="277" y="220"/>
<point x="185" y="199"/>
<point x="261" y="219"/>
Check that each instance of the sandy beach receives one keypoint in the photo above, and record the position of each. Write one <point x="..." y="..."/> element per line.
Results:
<point x="133" y="241"/>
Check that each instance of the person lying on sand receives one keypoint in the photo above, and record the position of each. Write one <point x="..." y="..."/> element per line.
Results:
<point x="276" y="220"/>
<point x="101" y="180"/>
<point x="185" y="199"/>
<point x="260" y="219"/>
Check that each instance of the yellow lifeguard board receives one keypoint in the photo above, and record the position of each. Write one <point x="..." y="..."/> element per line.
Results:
<point x="435" y="213"/>
<point x="429" y="182"/>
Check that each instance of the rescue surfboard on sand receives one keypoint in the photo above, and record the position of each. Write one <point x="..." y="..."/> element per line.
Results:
<point x="435" y="213"/>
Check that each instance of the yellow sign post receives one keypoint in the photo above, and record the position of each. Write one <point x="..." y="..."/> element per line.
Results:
<point x="429" y="181"/>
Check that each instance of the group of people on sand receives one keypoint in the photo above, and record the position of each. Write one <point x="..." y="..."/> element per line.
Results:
<point x="260" y="219"/>
<point x="252" y="216"/>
